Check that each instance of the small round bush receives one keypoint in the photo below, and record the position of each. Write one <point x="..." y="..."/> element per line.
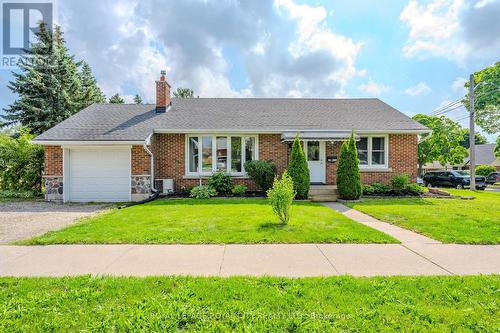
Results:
<point x="221" y="182"/>
<point x="239" y="190"/>
<point x="380" y="188"/>
<point x="261" y="172"/>
<point x="203" y="192"/>
<point x="367" y="189"/>
<point x="484" y="170"/>
<point x="414" y="189"/>
<point x="399" y="182"/>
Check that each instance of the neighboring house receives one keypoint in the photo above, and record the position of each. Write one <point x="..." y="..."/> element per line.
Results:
<point x="485" y="155"/>
<point x="111" y="152"/>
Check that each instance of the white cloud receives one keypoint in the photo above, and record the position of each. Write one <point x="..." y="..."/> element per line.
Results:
<point x="420" y="89"/>
<point x="458" y="85"/>
<point x="128" y="49"/>
<point x="432" y="28"/>
<point x="315" y="35"/>
<point x="373" y="88"/>
<point x="452" y="29"/>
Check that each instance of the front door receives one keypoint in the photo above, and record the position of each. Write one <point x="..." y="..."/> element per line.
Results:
<point x="315" y="153"/>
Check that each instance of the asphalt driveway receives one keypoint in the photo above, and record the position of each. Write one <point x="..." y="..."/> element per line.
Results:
<point x="25" y="219"/>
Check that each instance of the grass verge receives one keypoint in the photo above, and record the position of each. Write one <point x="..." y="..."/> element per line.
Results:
<point x="396" y="304"/>
<point x="213" y="221"/>
<point x="448" y="220"/>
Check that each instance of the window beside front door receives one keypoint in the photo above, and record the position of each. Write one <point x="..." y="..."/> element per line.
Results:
<point x="227" y="153"/>
<point x="372" y="151"/>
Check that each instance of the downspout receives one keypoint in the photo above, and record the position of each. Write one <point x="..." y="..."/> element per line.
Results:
<point x="147" y="143"/>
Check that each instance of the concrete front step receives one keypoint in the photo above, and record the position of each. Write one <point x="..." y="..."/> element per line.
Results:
<point x="323" y="193"/>
<point x="323" y="197"/>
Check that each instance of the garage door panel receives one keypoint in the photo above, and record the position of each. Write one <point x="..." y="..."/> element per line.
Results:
<point x="99" y="174"/>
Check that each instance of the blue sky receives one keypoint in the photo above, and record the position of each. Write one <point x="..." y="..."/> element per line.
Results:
<point x="413" y="54"/>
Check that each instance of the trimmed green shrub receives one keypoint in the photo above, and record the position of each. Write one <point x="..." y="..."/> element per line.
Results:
<point x="221" y="182"/>
<point x="399" y="182"/>
<point x="21" y="164"/>
<point x="281" y="197"/>
<point x="299" y="170"/>
<point x="376" y="189"/>
<point x="414" y="189"/>
<point x="348" y="177"/>
<point x="484" y="170"/>
<point x="367" y="189"/>
<point x="381" y="188"/>
<point x="239" y="190"/>
<point x="261" y="172"/>
<point x="203" y="192"/>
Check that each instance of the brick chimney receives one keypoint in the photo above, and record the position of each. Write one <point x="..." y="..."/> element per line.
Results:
<point x="162" y="94"/>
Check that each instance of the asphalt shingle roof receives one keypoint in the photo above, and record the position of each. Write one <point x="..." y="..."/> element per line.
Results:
<point x="131" y="122"/>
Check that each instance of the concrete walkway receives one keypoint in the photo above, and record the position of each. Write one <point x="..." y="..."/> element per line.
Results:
<point x="417" y="255"/>
<point x="293" y="260"/>
<point x="405" y="236"/>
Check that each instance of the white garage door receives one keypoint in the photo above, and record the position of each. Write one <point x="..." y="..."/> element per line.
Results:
<point x="99" y="174"/>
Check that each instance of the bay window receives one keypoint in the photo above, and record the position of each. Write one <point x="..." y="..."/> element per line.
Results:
<point x="372" y="151"/>
<point x="227" y="153"/>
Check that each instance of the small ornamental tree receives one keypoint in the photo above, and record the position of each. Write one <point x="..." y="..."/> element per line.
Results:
<point x="281" y="197"/>
<point x="348" y="177"/>
<point x="299" y="170"/>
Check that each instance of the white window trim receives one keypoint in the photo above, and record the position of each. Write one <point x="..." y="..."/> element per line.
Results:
<point x="369" y="166"/>
<point x="214" y="136"/>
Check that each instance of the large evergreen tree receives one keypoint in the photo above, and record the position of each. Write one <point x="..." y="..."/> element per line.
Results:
<point x="90" y="92"/>
<point x="49" y="85"/>
<point x="299" y="170"/>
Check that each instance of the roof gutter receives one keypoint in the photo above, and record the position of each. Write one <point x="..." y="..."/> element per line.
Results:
<point x="147" y="143"/>
<point x="282" y="130"/>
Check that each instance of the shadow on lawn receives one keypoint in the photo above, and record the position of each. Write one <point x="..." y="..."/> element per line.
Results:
<point x="221" y="201"/>
<point x="272" y="226"/>
<point x="397" y="202"/>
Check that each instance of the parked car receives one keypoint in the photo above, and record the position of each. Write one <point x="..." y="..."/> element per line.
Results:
<point x="493" y="178"/>
<point x="452" y="178"/>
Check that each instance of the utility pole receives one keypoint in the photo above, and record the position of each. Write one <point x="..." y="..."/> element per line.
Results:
<point x="472" y="135"/>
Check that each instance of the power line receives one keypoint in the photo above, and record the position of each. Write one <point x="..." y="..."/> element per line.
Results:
<point x="448" y="110"/>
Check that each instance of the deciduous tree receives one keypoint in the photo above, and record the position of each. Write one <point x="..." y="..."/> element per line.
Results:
<point x="487" y="96"/>
<point x="443" y="144"/>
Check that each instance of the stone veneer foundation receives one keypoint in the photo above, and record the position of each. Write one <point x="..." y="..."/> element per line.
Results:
<point x="54" y="188"/>
<point x="140" y="186"/>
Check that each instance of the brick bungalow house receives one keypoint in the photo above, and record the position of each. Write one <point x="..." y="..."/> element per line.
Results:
<point x="111" y="152"/>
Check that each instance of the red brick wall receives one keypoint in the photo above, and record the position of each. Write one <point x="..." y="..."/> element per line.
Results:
<point x="402" y="159"/>
<point x="271" y="148"/>
<point x="53" y="163"/>
<point x="141" y="162"/>
<point x="170" y="158"/>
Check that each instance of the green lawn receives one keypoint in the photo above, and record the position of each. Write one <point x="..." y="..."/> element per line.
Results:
<point x="191" y="221"/>
<point x="448" y="220"/>
<point x="160" y="304"/>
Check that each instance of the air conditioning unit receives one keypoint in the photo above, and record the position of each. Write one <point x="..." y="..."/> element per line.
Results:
<point x="168" y="186"/>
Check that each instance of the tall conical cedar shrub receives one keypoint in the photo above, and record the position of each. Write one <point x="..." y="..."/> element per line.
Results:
<point x="299" y="170"/>
<point x="348" y="177"/>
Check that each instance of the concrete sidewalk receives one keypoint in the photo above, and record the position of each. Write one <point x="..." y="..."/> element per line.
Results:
<point x="292" y="260"/>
